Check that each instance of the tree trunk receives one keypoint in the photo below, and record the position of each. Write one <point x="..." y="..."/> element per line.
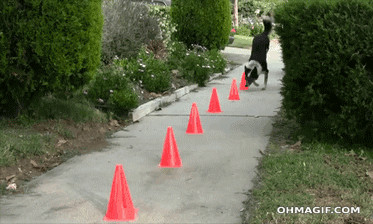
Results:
<point x="235" y="11"/>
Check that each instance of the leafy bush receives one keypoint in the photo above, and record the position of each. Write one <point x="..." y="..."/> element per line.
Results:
<point x="112" y="90"/>
<point x="156" y="72"/>
<point x="328" y="59"/>
<point x="216" y="61"/>
<point x="162" y="13"/>
<point x="39" y="54"/>
<point x="199" y="63"/>
<point x="151" y="73"/>
<point x="255" y="8"/>
<point x="127" y="27"/>
<point x="195" y="68"/>
<point x="206" y="23"/>
<point x="256" y="27"/>
<point x="176" y="54"/>
<point x="243" y="30"/>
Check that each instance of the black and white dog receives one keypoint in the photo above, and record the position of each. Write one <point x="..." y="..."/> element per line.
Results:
<point x="258" y="59"/>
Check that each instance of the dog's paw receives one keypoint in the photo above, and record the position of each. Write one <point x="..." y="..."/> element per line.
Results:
<point x="256" y="84"/>
<point x="264" y="88"/>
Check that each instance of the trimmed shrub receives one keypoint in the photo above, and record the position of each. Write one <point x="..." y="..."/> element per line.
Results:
<point x="112" y="90"/>
<point x="127" y="27"/>
<point x="206" y="23"/>
<point x="328" y="57"/>
<point x="243" y="30"/>
<point x="46" y="46"/>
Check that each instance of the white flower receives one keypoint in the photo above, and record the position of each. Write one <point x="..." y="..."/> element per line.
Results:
<point x="100" y="100"/>
<point x="152" y="76"/>
<point x="140" y="81"/>
<point x="257" y="11"/>
<point x="187" y="54"/>
<point x="12" y="186"/>
<point x="111" y="91"/>
<point x="85" y="92"/>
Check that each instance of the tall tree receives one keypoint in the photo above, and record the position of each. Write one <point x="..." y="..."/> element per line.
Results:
<point x="235" y="13"/>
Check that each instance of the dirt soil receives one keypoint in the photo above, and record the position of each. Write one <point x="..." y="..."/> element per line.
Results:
<point x="86" y="138"/>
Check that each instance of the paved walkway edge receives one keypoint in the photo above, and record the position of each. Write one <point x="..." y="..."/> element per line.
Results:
<point x="146" y="108"/>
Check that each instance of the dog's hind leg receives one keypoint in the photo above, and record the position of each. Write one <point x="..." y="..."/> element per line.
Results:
<point x="265" y="80"/>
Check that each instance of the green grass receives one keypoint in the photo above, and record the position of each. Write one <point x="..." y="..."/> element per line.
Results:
<point x="76" y="109"/>
<point x="241" y="42"/>
<point x="18" y="140"/>
<point x="318" y="175"/>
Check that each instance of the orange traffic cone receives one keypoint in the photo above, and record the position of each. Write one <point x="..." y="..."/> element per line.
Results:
<point x="233" y="95"/>
<point x="194" y="125"/>
<point x="120" y="207"/>
<point x="214" y="106"/>
<point x="243" y="82"/>
<point x="170" y="156"/>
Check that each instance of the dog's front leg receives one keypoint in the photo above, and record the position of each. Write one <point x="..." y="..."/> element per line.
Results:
<point x="265" y="80"/>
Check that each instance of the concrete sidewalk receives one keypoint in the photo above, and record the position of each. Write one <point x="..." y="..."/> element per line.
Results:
<point x="218" y="166"/>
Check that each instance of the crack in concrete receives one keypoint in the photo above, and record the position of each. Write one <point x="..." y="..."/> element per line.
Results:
<point x="210" y="115"/>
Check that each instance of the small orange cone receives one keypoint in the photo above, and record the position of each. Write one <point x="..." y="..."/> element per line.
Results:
<point x="194" y="125"/>
<point x="243" y="82"/>
<point x="233" y="95"/>
<point x="170" y="156"/>
<point x="120" y="207"/>
<point x="214" y="106"/>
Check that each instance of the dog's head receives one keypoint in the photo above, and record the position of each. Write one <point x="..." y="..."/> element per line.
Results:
<point x="250" y="75"/>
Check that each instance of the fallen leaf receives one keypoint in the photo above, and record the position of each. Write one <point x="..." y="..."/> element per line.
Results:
<point x="114" y="123"/>
<point x="351" y="153"/>
<point x="34" y="164"/>
<point x="369" y="174"/>
<point x="285" y="146"/>
<point x="10" y="177"/>
<point x="54" y="165"/>
<point x="61" y="142"/>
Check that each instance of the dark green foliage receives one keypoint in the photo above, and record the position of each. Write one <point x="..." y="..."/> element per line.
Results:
<point x="195" y="68"/>
<point x="46" y="46"/>
<point x="328" y="57"/>
<point x="243" y="30"/>
<point x="206" y="23"/>
<point x="112" y="90"/>
<point x="151" y="73"/>
<point x="216" y="61"/>
<point x="176" y="54"/>
<point x="127" y="27"/>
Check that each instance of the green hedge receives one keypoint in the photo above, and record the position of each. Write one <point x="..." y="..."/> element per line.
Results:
<point x="328" y="57"/>
<point x="46" y="46"/>
<point x="206" y="23"/>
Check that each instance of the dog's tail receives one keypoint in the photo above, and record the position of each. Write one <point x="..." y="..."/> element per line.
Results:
<point x="267" y="21"/>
